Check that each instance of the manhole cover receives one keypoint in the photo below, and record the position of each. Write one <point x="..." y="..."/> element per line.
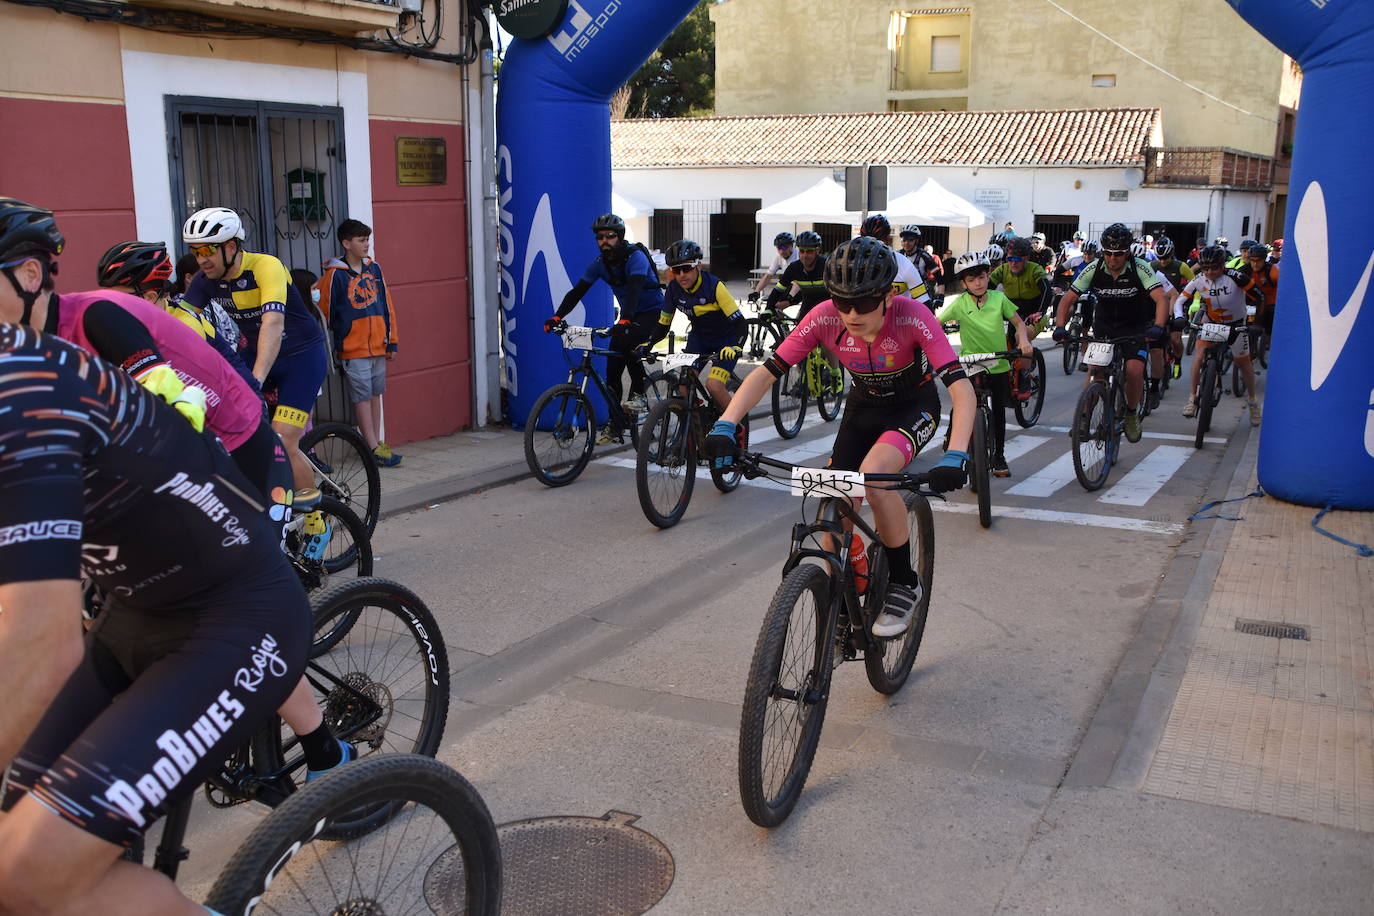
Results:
<point x="566" y="866"/>
<point x="1274" y="628"/>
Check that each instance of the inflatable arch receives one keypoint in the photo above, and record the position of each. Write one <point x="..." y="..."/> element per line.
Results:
<point x="553" y="169"/>
<point x="1317" y="441"/>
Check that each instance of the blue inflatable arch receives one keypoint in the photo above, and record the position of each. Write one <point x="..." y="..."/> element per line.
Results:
<point x="553" y="128"/>
<point x="1317" y="441"/>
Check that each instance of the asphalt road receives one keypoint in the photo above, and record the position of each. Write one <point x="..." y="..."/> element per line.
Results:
<point x="599" y="665"/>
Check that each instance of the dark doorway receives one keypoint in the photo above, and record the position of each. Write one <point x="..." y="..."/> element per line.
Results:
<point x="1057" y="228"/>
<point x="832" y="234"/>
<point x="665" y="228"/>
<point x="734" y="238"/>
<point x="1183" y="235"/>
<point x="937" y="237"/>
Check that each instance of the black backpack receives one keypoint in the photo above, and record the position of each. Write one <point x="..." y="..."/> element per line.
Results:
<point x="648" y="256"/>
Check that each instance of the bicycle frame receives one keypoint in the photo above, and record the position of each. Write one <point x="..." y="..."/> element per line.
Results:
<point x="585" y="369"/>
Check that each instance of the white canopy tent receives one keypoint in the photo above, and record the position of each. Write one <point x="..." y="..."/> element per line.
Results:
<point x="629" y="208"/>
<point x="932" y="204"/>
<point x="823" y="202"/>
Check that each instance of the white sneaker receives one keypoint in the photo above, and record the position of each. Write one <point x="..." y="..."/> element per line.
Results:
<point x="604" y="436"/>
<point x="635" y="403"/>
<point x="897" y="610"/>
<point x="1254" y="413"/>
<point x="1190" y="409"/>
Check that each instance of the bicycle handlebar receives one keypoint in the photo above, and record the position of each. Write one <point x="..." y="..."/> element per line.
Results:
<point x="751" y="465"/>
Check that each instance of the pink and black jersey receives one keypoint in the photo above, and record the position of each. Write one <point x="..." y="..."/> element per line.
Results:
<point x="908" y="352"/>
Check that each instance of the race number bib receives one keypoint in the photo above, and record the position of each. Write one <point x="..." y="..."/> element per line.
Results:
<point x="825" y="482"/>
<point x="578" y="338"/>
<point x="1215" y="333"/>
<point x="1099" y="354"/>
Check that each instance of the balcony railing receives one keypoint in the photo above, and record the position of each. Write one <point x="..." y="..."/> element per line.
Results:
<point x="347" y="16"/>
<point x="1208" y="167"/>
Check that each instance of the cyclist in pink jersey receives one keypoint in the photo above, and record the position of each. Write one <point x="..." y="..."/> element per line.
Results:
<point x="893" y="348"/>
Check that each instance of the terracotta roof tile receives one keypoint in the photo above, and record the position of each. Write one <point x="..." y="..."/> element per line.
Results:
<point x="1080" y="136"/>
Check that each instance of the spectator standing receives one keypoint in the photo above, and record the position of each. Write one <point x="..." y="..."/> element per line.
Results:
<point x="362" y="321"/>
<point x="947" y="263"/>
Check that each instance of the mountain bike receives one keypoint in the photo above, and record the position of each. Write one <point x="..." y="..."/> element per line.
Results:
<point x="670" y="445"/>
<point x="1212" y="371"/>
<point x="981" y="448"/>
<point x="349" y="547"/>
<point x="818" y="620"/>
<point x="345" y="469"/>
<point x="561" y="430"/>
<point x="1099" y="420"/>
<point x="1258" y="349"/>
<point x="1028" y="392"/>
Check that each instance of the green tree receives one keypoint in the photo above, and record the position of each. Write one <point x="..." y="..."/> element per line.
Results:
<point x="679" y="79"/>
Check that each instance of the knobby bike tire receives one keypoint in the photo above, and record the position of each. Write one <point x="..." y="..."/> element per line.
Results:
<point x="283" y="867"/>
<point x="727" y="480"/>
<point x="386" y="646"/>
<point x="778" y="696"/>
<point x="566" y="439"/>
<point x="982" y="460"/>
<point x="1237" y="380"/>
<point x="829" y="403"/>
<point x="666" y="463"/>
<point x="346" y="468"/>
<point x="1191" y="344"/>
<point x="1206" y="400"/>
<point x="1091" y="435"/>
<point x="349" y="549"/>
<point x="1028" y="411"/>
<point x="790" y="394"/>
<point x="888" y="671"/>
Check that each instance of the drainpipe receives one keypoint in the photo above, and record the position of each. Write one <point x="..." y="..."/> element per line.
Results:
<point x="491" y="299"/>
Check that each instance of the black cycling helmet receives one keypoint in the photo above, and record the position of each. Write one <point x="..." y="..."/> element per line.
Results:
<point x="1000" y="239"/>
<point x="1212" y="256"/>
<point x="1090" y="249"/>
<point x="860" y="267"/>
<point x="609" y="222"/>
<point x="876" y="226"/>
<point x="783" y="238"/>
<point x="808" y="239"/>
<point x="1020" y="247"/>
<point x="683" y="251"/>
<point x="1117" y="237"/>
<point x="1259" y="248"/>
<point x="25" y="231"/>
<point x="139" y="265"/>
<point x="1164" y="247"/>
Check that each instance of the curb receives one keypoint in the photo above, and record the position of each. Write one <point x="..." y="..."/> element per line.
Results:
<point x="1119" y="743"/>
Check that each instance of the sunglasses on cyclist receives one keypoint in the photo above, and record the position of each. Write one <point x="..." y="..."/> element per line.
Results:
<point x="1015" y="260"/>
<point x="601" y="236"/>
<point x="808" y="250"/>
<point x="784" y="247"/>
<point x="1114" y="251"/>
<point x="682" y="268"/>
<point x="863" y="306"/>
<point x="204" y="251"/>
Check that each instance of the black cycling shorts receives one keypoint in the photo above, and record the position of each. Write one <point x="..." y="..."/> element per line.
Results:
<point x="862" y="425"/>
<point x="1134" y="349"/>
<point x="160" y="701"/>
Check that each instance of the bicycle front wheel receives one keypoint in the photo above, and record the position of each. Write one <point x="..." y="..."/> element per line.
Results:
<point x="727" y="480"/>
<point x="831" y="398"/>
<point x="380" y="669"/>
<point x="1028" y="411"/>
<point x="559" y="434"/>
<point x="666" y="463"/>
<point x="1207" y="396"/>
<point x="348" y="551"/>
<point x="440" y="828"/>
<point x="1092" y="436"/>
<point x="345" y="469"/>
<point x="789" y="401"/>
<point x="1070" y="357"/>
<point x="786" y="696"/>
<point x="889" y="668"/>
<point x="978" y="478"/>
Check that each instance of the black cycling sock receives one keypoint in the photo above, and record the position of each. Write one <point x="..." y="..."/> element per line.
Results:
<point x="322" y="750"/>
<point x="899" y="564"/>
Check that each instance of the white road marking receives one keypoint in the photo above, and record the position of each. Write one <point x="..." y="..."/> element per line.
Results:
<point x="1144" y="526"/>
<point x="1048" y="480"/>
<point x="1146" y="434"/>
<point x="1018" y="446"/>
<point x="1145" y="479"/>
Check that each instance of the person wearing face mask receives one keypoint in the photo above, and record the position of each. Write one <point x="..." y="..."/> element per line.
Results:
<point x="362" y="320"/>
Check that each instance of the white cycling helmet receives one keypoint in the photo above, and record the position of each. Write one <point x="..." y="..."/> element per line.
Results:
<point x="910" y="229"/>
<point x="212" y="226"/>
<point x="1138" y="250"/>
<point x="971" y="260"/>
<point x="994" y="254"/>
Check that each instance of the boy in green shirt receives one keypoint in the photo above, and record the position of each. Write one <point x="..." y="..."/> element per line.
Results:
<point x="982" y="315"/>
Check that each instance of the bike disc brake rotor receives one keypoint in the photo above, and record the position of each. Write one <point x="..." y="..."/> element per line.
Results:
<point x="363" y="719"/>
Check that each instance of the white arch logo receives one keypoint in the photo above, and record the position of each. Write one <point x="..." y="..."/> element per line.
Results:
<point x="1329" y="332"/>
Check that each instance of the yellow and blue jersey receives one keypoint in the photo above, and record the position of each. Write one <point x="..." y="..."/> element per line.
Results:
<point x="716" y="319"/>
<point x="261" y="286"/>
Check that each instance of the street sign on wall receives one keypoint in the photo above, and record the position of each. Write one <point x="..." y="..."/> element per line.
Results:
<point x="996" y="199"/>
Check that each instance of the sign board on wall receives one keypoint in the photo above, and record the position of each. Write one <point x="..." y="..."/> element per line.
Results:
<point x="421" y="161"/>
<point x="997" y="199"/>
<point x="1118" y="196"/>
<point x="530" y="19"/>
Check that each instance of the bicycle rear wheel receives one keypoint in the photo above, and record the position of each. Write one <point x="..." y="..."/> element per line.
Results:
<point x="889" y="669"/>
<point x="1028" y="411"/>
<point x="789" y="401"/>
<point x="786" y="696"/>
<point x="727" y="480"/>
<point x="1207" y="397"/>
<point x="978" y="478"/>
<point x="439" y="822"/>
<point x="831" y="398"/>
<point x="1092" y="436"/>
<point x="380" y="668"/>
<point x="349" y="550"/>
<point x="558" y="435"/>
<point x="666" y="463"/>
<point x="346" y="469"/>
